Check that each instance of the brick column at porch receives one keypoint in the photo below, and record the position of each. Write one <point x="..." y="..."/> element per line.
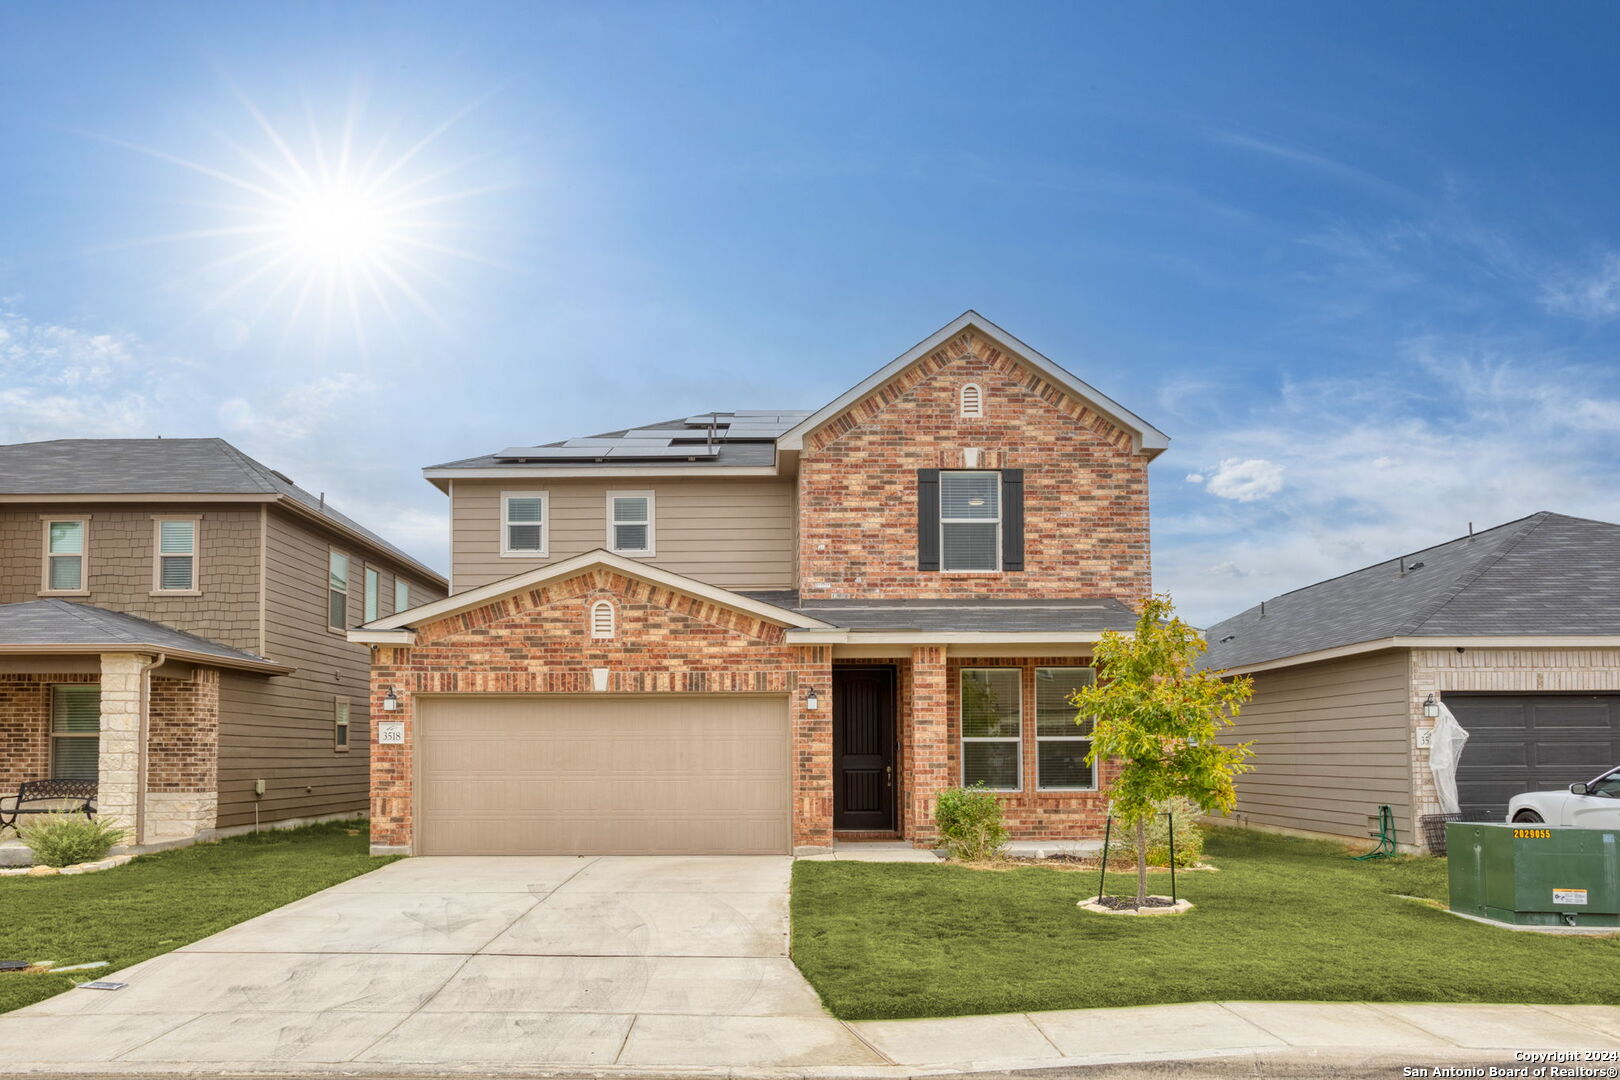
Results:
<point x="392" y="812"/>
<point x="182" y="756"/>
<point x="928" y="760"/>
<point x="812" y="747"/>
<point x="120" y="758"/>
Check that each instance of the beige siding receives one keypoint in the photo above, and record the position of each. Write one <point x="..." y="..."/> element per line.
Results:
<point x="1331" y="743"/>
<point x="735" y="533"/>
<point x="281" y="730"/>
<point x="120" y="552"/>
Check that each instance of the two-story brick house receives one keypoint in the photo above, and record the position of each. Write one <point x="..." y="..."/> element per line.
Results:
<point x="758" y="631"/>
<point x="173" y="620"/>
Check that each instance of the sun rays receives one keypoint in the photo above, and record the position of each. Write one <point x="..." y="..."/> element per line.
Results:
<point x="324" y="228"/>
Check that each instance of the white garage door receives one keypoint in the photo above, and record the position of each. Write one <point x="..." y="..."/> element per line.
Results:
<point x="602" y="775"/>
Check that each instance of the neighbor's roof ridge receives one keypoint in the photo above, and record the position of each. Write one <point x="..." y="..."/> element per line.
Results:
<point x="1471" y="575"/>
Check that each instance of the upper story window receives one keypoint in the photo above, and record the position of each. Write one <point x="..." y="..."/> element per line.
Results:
<point x="65" y="554"/>
<point x="402" y="595"/>
<point x="373" y="588"/>
<point x="1061" y="745"/>
<point x="337" y="590"/>
<point x="174" y="566"/>
<point x="970" y="520"/>
<point x="630" y="522"/>
<point x="602" y="619"/>
<point x="972" y="407"/>
<point x="525" y="521"/>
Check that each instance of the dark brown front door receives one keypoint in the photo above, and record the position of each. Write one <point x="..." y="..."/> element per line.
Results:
<point x="863" y="748"/>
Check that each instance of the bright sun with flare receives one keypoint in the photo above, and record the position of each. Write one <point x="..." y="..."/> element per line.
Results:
<point x="329" y="230"/>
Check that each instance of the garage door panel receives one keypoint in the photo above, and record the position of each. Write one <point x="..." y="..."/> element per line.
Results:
<point x="1531" y="742"/>
<point x="603" y="775"/>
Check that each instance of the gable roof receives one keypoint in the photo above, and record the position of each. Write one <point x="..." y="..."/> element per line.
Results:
<point x="748" y="441"/>
<point x="1149" y="439"/>
<point x="59" y="626"/>
<point x="397" y="628"/>
<point x="165" y="467"/>
<point x="1546" y="575"/>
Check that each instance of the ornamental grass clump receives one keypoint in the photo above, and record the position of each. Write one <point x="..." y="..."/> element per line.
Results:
<point x="68" y="839"/>
<point x="1189" y="836"/>
<point x="969" y="821"/>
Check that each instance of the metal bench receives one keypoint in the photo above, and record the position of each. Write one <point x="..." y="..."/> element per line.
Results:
<point x="59" y="797"/>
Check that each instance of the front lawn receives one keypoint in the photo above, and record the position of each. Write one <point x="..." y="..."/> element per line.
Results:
<point x="1282" y="920"/>
<point x="161" y="902"/>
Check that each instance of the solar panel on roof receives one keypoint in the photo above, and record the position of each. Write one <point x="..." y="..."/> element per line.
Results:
<point x="614" y="440"/>
<point x="623" y="452"/>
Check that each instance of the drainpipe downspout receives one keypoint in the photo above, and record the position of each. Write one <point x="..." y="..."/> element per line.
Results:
<point x="140" y="750"/>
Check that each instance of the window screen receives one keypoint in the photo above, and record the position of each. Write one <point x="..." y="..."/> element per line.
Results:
<point x="1061" y="744"/>
<point x="177" y="555"/>
<point x="970" y="520"/>
<point x="75" y="732"/>
<point x="632" y="523"/>
<point x="525" y="523"/>
<point x="991" y="721"/>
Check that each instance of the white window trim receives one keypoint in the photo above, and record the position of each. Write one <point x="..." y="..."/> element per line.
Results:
<point x="962" y="402"/>
<point x="943" y="520"/>
<point x="342" y="722"/>
<point x="157" y="555"/>
<point x="545" y="525"/>
<point x="961" y="698"/>
<point x="46" y="521"/>
<point x="651" y="523"/>
<point x="612" y="620"/>
<point x="327" y="592"/>
<point x="371" y="598"/>
<point x="1039" y="738"/>
<point x="51" y="731"/>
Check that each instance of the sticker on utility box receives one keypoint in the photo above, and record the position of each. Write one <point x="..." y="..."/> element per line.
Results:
<point x="391" y="733"/>
<point x="1569" y="896"/>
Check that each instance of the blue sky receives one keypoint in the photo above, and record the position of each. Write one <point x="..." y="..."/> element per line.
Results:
<point x="1361" y="261"/>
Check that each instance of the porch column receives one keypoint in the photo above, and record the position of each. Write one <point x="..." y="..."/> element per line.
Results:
<point x="812" y="749"/>
<point x="928" y="765"/>
<point x="117" y="792"/>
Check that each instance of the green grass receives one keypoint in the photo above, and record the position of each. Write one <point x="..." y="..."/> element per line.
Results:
<point x="161" y="902"/>
<point x="1282" y="920"/>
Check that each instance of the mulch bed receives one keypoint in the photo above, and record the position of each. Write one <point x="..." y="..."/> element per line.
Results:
<point x="1128" y="903"/>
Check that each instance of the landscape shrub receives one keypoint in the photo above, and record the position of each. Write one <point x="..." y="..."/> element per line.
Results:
<point x="1189" y="836"/>
<point x="969" y="821"/>
<point x="65" y="839"/>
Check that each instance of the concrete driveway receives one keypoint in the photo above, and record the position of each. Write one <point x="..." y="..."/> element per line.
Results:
<point x="665" y="961"/>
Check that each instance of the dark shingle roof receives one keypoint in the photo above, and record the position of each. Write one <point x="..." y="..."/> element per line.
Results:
<point x="741" y="438"/>
<point x="158" y="467"/>
<point x="993" y="615"/>
<point x="1545" y="574"/>
<point x="57" y="623"/>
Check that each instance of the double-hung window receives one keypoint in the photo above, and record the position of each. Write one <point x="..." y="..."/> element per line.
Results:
<point x="373" y="588"/>
<point x="1061" y="745"/>
<point x="525" y="517"/>
<point x="175" y="567"/>
<point x="340" y="724"/>
<point x="992" y="724"/>
<point x="970" y="520"/>
<point x="630" y="522"/>
<point x="337" y="590"/>
<point x="402" y="595"/>
<point x="75" y="731"/>
<point x="65" y="555"/>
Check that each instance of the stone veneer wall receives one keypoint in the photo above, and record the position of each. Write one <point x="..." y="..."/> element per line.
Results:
<point x="1509" y="670"/>
<point x="535" y="641"/>
<point x="1085" y="489"/>
<point x="119" y="764"/>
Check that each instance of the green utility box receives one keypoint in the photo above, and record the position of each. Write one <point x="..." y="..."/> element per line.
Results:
<point x="1535" y="875"/>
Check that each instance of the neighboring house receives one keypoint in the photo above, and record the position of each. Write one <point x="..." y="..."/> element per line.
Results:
<point x="172" y="625"/>
<point x="1516" y="629"/>
<point x="753" y="631"/>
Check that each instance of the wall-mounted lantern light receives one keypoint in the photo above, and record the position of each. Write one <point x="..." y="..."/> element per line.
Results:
<point x="810" y="700"/>
<point x="390" y="700"/>
<point x="1431" y="707"/>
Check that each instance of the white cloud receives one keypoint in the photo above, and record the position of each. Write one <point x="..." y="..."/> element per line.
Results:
<point x="1195" y="478"/>
<point x="300" y="411"/>
<point x="1593" y="294"/>
<point x="1247" y="480"/>
<point x="1472" y="433"/>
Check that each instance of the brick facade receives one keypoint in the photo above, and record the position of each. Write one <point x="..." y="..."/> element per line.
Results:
<point x="1085" y="490"/>
<point x="535" y="641"/>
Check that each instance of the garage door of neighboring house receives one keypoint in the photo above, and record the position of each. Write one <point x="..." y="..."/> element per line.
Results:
<point x="541" y="775"/>
<point x="1531" y="742"/>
